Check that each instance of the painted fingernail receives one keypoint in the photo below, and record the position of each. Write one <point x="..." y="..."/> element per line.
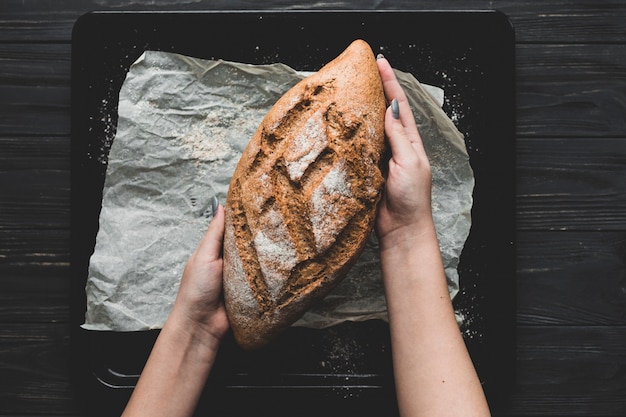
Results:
<point x="380" y="56"/>
<point x="395" y="109"/>
<point x="214" y="204"/>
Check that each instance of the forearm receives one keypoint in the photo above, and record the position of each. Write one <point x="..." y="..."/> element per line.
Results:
<point x="176" y="372"/>
<point x="434" y="373"/>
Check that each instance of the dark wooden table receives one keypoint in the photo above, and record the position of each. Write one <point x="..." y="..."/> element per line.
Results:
<point x="571" y="199"/>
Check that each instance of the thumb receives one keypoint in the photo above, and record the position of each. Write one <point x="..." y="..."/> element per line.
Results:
<point x="211" y="243"/>
<point x="399" y="141"/>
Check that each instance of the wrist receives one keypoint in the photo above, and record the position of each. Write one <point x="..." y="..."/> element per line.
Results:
<point x="198" y="334"/>
<point x="408" y="237"/>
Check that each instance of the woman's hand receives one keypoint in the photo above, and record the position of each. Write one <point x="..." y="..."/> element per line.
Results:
<point x="433" y="371"/>
<point x="406" y="203"/>
<point x="172" y="380"/>
<point x="199" y="302"/>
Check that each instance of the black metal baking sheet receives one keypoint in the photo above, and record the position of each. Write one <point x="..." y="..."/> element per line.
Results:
<point x="346" y="369"/>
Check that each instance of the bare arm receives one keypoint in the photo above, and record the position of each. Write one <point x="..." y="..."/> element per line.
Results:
<point x="433" y="371"/>
<point x="184" y="353"/>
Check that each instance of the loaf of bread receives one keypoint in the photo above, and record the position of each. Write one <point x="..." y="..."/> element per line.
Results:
<point x="303" y="198"/>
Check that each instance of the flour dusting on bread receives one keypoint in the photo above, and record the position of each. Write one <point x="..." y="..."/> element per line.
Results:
<point x="330" y="202"/>
<point x="276" y="253"/>
<point x="307" y="145"/>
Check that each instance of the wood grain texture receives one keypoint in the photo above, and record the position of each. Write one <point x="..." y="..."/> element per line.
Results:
<point x="551" y="21"/>
<point x="587" y="108"/>
<point x="562" y="90"/>
<point x="562" y="184"/>
<point x="35" y="293"/>
<point x="566" y="21"/>
<point x="35" y="182"/>
<point x="35" y="370"/>
<point x="25" y="248"/>
<point x="571" y="90"/>
<point x="35" y="64"/>
<point x="561" y="371"/>
<point x="571" y="204"/>
<point x="571" y="278"/>
<point x="25" y="110"/>
<point x="558" y="279"/>
<point x="571" y="184"/>
<point x="570" y="371"/>
<point x="36" y="20"/>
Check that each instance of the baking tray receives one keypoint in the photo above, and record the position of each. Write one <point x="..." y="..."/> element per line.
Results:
<point x="345" y="369"/>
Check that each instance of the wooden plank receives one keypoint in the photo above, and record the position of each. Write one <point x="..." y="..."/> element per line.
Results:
<point x="30" y="64"/>
<point x="563" y="278"/>
<point x="35" y="369"/>
<point x="569" y="371"/>
<point x="35" y="153"/>
<point x="571" y="90"/>
<point x="35" y="293"/>
<point x="54" y="20"/>
<point x="35" y="89"/>
<point x="562" y="371"/>
<point x="21" y="248"/>
<point x="546" y="21"/>
<point x="34" y="110"/>
<point x="566" y="21"/>
<point x="571" y="184"/>
<point x="571" y="278"/>
<point x="562" y="184"/>
<point x="554" y="195"/>
<point x="35" y="198"/>
<point x="34" y="182"/>
<point x="562" y="90"/>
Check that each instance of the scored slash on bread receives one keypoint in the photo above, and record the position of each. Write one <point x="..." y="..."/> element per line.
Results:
<point x="302" y="200"/>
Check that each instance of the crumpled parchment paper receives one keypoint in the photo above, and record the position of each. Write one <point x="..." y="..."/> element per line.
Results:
<point x="183" y="124"/>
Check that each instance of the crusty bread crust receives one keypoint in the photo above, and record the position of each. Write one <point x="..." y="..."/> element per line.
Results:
<point x="302" y="200"/>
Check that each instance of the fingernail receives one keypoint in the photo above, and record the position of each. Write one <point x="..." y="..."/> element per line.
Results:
<point x="395" y="109"/>
<point x="214" y="204"/>
<point x="379" y="56"/>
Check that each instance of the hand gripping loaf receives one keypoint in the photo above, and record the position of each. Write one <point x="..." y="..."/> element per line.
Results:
<point x="302" y="200"/>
